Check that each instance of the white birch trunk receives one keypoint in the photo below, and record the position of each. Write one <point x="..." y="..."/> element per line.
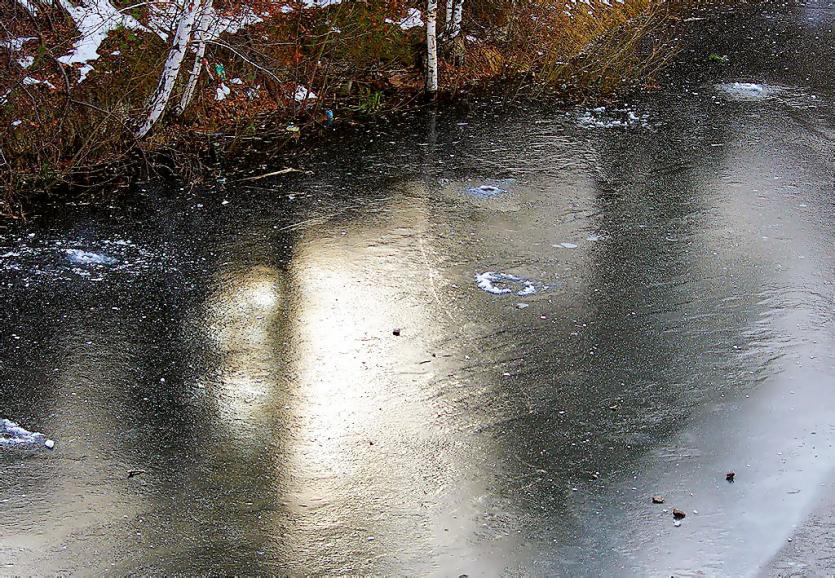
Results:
<point x="30" y="6"/>
<point x="171" y="70"/>
<point x="431" y="46"/>
<point x="448" y="19"/>
<point x="455" y="24"/>
<point x="200" y="34"/>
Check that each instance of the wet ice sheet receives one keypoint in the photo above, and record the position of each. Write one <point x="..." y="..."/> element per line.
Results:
<point x="498" y="455"/>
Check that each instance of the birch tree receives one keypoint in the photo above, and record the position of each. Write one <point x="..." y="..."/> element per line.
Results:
<point x="171" y="70"/>
<point x="453" y="25"/>
<point x="30" y="6"/>
<point x="431" y="46"/>
<point x="200" y="35"/>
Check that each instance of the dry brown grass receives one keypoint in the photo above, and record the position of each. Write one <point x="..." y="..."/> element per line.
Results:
<point x="80" y="135"/>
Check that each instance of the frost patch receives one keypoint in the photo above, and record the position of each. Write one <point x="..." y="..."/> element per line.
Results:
<point x="27" y="260"/>
<point x="13" y="435"/>
<point x="505" y="284"/>
<point x="485" y="191"/>
<point x="749" y="92"/>
<point x="744" y="90"/>
<point x="601" y="117"/>
<point x="80" y="257"/>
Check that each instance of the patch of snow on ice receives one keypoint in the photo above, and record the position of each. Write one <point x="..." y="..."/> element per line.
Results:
<point x="743" y="90"/>
<point x="601" y="117"/>
<point x="79" y="257"/>
<point x="11" y="434"/>
<point x="485" y="191"/>
<point x="505" y="284"/>
<point x="44" y="260"/>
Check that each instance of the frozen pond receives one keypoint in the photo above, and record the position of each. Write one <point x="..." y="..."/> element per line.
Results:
<point x="477" y="343"/>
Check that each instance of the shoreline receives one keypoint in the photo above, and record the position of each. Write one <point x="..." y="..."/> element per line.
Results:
<point x="184" y="148"/>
